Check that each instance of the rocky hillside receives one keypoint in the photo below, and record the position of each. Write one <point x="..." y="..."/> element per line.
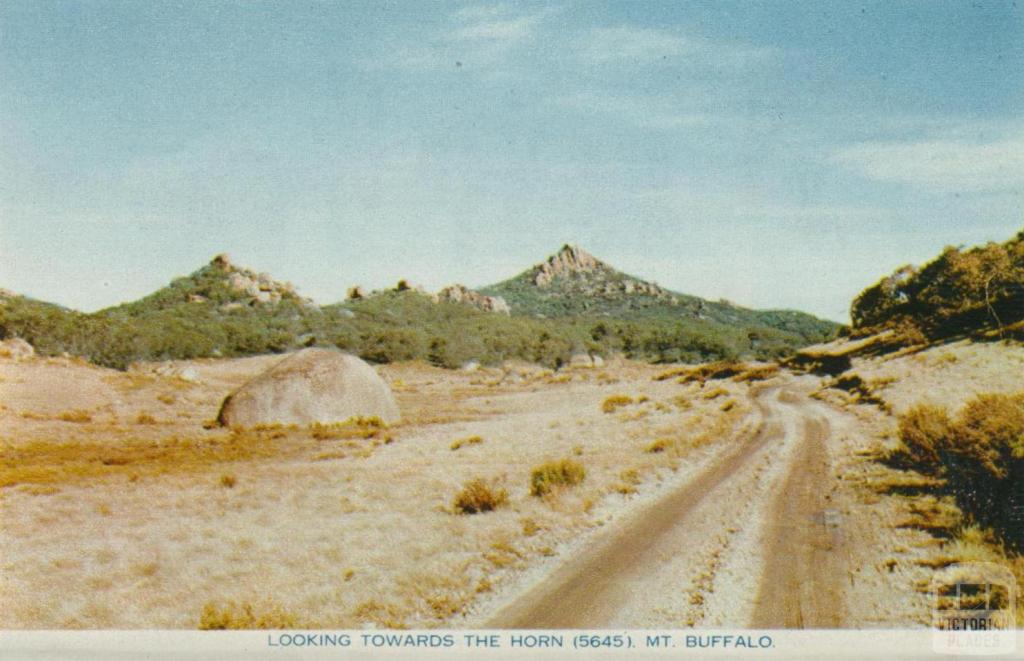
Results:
<point x="574" y="282"/>
<point x="220" y="284"/>
<point x="961" y="292"/>
<point x="571" y="304"/>
<point x="466" y="296"/>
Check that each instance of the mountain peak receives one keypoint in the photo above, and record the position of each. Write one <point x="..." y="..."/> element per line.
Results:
<point x="222" y="262"/>
<point x="570" y="260"/>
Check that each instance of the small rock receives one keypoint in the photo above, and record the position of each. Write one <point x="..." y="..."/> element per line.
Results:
<point x="16" y="349"/>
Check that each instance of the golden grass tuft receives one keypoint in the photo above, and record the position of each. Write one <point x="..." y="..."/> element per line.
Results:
<point x="530" y="527"/>
<point x="75" y="415"/>
<point x="353" y="428"/>
<point x="384" y="614"/>
<point x="145" y="419"/>
<point x="759" y="373"/>
<point x="228" y="481"/>
<point x="715" y="393"/>
<point x="471" y="440"/>
<point x="672" y="373"/>
<point x="479" y="496"/>
<point x="614" y="402"/>
<point x="235" y="615"/>
<point x="503" y="554"/>
<point x="562" y="473"/>
<point x="660" y="445"/>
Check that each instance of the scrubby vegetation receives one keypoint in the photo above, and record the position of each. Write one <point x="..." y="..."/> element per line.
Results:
<point x="480" y="496"/>
<point x="977" y="456"/>
<point x="202" y="315"/>
<point x="546" y="477"/>
<point x="597" y="294"/>
<point x="961" y="292"/>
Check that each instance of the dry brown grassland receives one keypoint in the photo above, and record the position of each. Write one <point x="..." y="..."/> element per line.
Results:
<point x="123" y="506"/>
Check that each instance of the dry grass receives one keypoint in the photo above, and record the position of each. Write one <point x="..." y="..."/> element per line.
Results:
<point x="723" y="369"/>
<point x="615" y="402"/>
<point x="660" y="445"/>
<point x="555" y="474"/>
<point x="75" y="415"/>
<point x="471" y="440"/>
<point x="386" y="615"/>
<point x="759" y="373"/>
<point x="715" y="393"/>
<point x="354" y="428"/>
<point x="67" y="462"/>
<point x="478" y="496"/>
<point x="145" y="419"/>
<point x="382" y="553"/>
<point x="244" y="615"/>
<point x="673" y="373"/>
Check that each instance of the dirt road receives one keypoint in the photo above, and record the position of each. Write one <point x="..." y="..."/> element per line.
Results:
<point x="751" y="540"/>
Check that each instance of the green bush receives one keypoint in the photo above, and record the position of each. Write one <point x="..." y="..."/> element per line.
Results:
<point x="979" y="456"/>
<point x="961" y="291"/>
<point x="394" y="326"/>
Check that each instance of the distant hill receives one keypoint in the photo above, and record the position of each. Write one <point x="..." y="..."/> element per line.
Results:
<point x="574" y="282"/>
<point x="961" y="292"/>
<point x="220" y="284"/>
<point x="570" y="304"/>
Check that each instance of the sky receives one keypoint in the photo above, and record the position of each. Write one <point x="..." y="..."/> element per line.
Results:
<point x="775" y="154"/>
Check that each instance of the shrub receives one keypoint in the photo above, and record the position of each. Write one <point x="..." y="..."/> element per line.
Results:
<point x="565" y="472"/>
<point x="921" y="430"/>
<point x="480" y="496"/>
<point x="145" y="419"/>
<point x="959" y="291"/>
<point x="612" y="403"/>
<point x="979" y="455"/>
<point x="228" y="481"/>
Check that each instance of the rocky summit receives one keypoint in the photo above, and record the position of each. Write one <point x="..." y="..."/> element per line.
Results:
<point x="569" y="261"/>
<point x="568" y="304"/>
<point x="250" y="286"/>
<point x="577" y="280"/>
<point x="221" y="284"/>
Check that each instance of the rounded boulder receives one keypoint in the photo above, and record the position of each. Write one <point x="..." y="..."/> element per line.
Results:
<point x="311" y="385"/>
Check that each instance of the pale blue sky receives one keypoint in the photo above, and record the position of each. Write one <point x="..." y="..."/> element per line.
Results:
<point x="776" y="154"/>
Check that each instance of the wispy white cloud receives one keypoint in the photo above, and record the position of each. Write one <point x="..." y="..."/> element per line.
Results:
<point x="953" y="164"/>
<point x="478" y="35"/>
<point x="630" y="44"/>
<point x="496" y="29"/>
<point x="645" y="112"/>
